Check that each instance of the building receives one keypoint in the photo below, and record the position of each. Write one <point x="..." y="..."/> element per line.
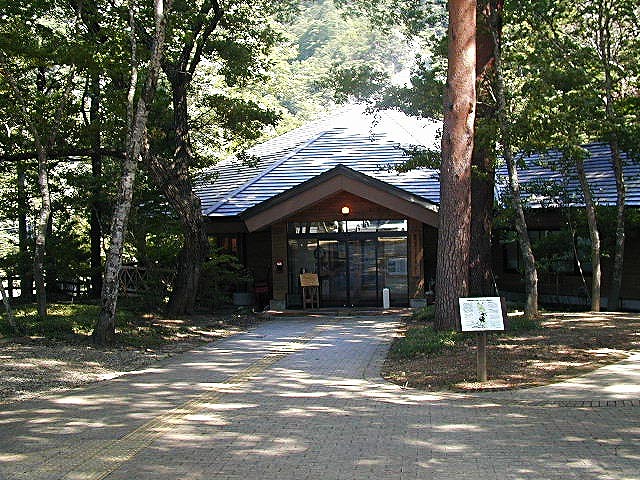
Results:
<point x="554" y="200"/>
<point x="325" y="199"/>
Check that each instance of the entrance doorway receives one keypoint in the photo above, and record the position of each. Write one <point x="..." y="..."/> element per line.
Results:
<point x="354" y="263"/>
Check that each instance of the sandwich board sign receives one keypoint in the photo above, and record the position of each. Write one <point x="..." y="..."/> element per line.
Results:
<point x="481" y="314"/>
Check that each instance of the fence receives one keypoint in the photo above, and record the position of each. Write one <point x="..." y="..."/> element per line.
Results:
<point x="133" y="281"/>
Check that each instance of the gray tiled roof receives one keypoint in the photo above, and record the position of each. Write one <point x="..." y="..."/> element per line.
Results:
<point x="348" y="138"/>
<point x="540" y="173"/>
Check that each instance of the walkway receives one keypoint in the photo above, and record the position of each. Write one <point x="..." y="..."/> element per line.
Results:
<point x="301" y="399"/>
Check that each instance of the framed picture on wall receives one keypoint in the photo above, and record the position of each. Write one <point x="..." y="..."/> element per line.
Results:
<point x="397" y="265"/>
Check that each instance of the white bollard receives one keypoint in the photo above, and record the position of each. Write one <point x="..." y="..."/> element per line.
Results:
<point x="385" y="298"/>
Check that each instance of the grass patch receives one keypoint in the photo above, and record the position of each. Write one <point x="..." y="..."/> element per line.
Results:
<point x="424" y="314"/>
<point x="522" y="323"/>
<point x="423" y="341"/>
<point x="64" y="320"/>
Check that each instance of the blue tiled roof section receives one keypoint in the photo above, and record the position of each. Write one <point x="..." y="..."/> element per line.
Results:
<point x="546" y="186"/>
<point x="348" y="139"/>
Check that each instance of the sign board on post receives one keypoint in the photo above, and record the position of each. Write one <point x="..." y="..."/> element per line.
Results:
<point x="482" y="315"/>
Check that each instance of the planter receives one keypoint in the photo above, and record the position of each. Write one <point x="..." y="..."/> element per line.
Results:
<point x="243" y="299"/>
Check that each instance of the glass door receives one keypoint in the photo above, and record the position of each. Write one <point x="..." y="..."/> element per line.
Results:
<point x="363" y="278"/>
<point x="332" y="272"/>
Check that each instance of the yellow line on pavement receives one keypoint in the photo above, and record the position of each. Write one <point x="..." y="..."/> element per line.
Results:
<point x="102" y="459"/>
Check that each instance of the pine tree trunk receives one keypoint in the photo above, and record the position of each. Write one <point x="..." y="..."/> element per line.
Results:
<point x="618" y="257"/>
<point x="452" y="271"/>
<point x="594" y="234"/>
<point x="530" y="272"/>
<point x="480" y="258"/>
<point x="481" y="281"/>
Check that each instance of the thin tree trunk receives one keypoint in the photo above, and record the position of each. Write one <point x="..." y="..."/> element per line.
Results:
<point x="104" y="330"/>
<point x="531" y="274"/>
<point x="41" y="231"/>
<point x="24" y="264"/>
<point x="604" y="47"/>
<point x="480" y="258"/>
<point x="594" y="234"/>
<point x="11" y="319"/>
<point x="90" y="15"/>
<point x="95" y="221"/>
<point x="613" y="299"/>
<point x="174" y="179"/>
<point x="452" y="271"/>
<point x="43" y="184"/>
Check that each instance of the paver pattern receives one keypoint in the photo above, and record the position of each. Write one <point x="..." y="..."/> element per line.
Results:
<point x="302" y="399"/>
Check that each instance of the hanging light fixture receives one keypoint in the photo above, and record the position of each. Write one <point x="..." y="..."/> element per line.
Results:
<point x="346" y="210"/>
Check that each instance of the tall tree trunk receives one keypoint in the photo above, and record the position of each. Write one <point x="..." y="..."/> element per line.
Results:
<point x="43" y="180"/>
<point x="606" y="59"/>
<point x="594" y="234"/>
<point x="613" y="299"/>
<point x="89" y="12"/>
<point x="24" y="264"/>
<point x="177" y="188"/>
<point x="481" y="281"/>
<point x="480" y="258"/>
<point x="452" y="270"/>
<point x="530" y="271"/>
<point x="174" y="179"/>
<point x="137" y="115"/>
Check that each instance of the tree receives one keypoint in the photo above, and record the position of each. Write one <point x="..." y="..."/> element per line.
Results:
<point x="137" y="116"/>
<point x="488" y="32"/>
<point x="573" y="99"/>
<point x="452" y="271"/>
<point x="35" y="55"/>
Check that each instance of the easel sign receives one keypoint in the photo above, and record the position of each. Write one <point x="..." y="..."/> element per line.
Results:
<point x="481" y="315"/>
<point x="309" y="280"/>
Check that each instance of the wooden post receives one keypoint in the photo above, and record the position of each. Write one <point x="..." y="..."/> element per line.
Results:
<point x="482" y="356"/>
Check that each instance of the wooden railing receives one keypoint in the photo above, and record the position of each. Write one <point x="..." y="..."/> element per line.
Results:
<point x="133" y="281"/>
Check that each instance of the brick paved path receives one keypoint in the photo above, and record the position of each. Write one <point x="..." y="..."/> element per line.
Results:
<point x="301" y="399"/>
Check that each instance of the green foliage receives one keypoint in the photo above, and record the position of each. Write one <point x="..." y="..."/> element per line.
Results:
<point x="423" y="341"/>
<point x="221" y="276"/>
<point x="424" y="314"/>
<point x="62" y="320"/>
<point x="522" y="323"/>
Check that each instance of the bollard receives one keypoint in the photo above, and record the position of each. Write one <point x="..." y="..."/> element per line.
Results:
<point x="385" y="298"/>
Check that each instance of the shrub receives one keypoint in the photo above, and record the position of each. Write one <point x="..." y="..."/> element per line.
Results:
<point x="423" y="341"/>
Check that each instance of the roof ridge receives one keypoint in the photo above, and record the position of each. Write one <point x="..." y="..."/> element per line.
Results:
<point x="265" y="172"/>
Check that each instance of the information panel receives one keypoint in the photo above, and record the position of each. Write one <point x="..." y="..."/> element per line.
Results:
<point x="481" y="314"/>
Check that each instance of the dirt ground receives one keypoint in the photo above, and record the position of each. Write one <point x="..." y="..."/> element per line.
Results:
<point x="34" y="366"/>
<point x="567" y="345"/>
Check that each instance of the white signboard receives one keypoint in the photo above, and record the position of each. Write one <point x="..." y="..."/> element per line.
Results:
<point x="481" y="313"/>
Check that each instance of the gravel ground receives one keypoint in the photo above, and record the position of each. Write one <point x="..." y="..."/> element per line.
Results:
<point x="35" y="366"/>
